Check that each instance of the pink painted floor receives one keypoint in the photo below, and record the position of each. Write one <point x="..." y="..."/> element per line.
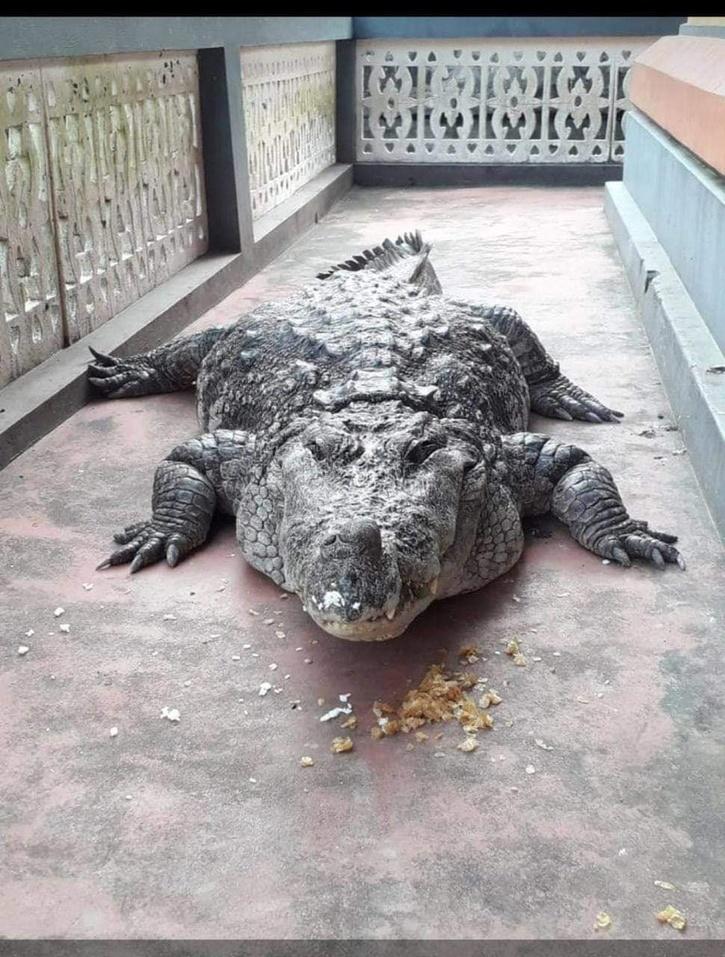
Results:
<point x="161" y="832"/>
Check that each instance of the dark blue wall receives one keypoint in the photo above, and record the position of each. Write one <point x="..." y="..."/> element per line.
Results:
<point x="438" y="27"/>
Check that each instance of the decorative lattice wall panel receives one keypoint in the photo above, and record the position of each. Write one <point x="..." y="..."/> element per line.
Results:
<point x="30" y="318"/>
<point x="126" y="170"/>
<point x="289" y="111"/>
<point x="493" y="101"/>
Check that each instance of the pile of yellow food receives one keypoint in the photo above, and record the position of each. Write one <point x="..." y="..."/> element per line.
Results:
<point x="440" y="696"/>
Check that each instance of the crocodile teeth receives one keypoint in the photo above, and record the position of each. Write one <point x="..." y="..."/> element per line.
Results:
<point x="433" y="586"/>
<point x="390" y="614"/>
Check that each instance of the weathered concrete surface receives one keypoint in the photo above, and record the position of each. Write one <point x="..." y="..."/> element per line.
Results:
<point x="159" y="831"/>
<point x="35" y="403"/>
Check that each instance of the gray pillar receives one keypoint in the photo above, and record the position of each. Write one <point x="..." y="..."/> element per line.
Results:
<point x="346" y="106"/>
<point x="225" y="150"/>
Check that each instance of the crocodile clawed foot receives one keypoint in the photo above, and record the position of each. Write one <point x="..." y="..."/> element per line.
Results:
<point x="561" y="399"/>
<point x="636" y="540"/>
<point x="115" y="377"/>
<point x="145" y="543"/>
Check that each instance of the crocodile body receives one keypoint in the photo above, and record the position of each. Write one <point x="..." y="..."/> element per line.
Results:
<point x="368" y="434"/>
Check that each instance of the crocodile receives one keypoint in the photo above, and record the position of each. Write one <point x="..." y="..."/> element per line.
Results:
<point x="369" y="436"/>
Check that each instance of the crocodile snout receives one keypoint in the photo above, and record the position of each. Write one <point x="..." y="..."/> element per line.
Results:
<point x="355" y="579"/>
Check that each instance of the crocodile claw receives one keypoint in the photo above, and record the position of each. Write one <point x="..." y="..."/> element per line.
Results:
<point x="101" y="357"/>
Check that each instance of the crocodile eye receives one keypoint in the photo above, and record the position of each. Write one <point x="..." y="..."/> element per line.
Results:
<point x="318" y="448"/>
<point x="352" y="450"/>
<point x="338" y="447"/>
<point x="418" y="452"/>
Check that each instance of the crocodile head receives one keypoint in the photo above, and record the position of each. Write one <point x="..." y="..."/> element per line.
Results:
<point x="370" y="504"/>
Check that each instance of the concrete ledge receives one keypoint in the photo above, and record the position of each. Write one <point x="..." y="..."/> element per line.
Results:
<point x="486" y="174"/>
<point x="274" y="231"/>
<point x="681" y="342"/>
<point x="679" y="82"/>
<point x="567" y="26"/>
<point x="683" y="201"/>
<point x="38" y="401"/>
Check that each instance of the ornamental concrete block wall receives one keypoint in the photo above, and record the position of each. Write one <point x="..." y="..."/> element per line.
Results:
<point x="103" y="196"/>
<point x="289" y="107"/>
<point x="31" y="327"/>
<point x="486" y="100"/>
<point x="127" y="180"/>
<point x="102" y="193"/>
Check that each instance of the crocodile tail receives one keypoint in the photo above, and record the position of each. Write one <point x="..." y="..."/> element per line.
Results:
<point x="382" y="257"/>
<point x="417" y="270"/>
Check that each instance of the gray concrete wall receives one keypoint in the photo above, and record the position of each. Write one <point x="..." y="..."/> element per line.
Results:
<point x="683" y="201"/>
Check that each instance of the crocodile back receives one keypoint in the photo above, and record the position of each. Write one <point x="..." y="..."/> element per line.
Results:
<point x="360" y="336"/>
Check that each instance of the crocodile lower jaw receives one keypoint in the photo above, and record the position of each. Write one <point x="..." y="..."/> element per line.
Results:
<point x="383" y="627"/>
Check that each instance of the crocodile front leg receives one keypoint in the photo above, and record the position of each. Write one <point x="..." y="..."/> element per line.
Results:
<point x="195" y="479"/>
<point x="552" y="394"/>
<point x="172" y="367"/>
<point x="551" y="476"/>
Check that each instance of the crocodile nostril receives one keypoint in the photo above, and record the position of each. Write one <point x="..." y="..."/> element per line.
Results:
<point x="362" y="536"/>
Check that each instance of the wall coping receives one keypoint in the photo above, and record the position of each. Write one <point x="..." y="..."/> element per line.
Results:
<point x="679" y="82"/>
<point x="32" y="38"/>
<point x="449" y="27"/>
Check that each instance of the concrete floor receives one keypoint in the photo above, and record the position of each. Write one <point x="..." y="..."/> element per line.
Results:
<point x="160" y="831"/>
